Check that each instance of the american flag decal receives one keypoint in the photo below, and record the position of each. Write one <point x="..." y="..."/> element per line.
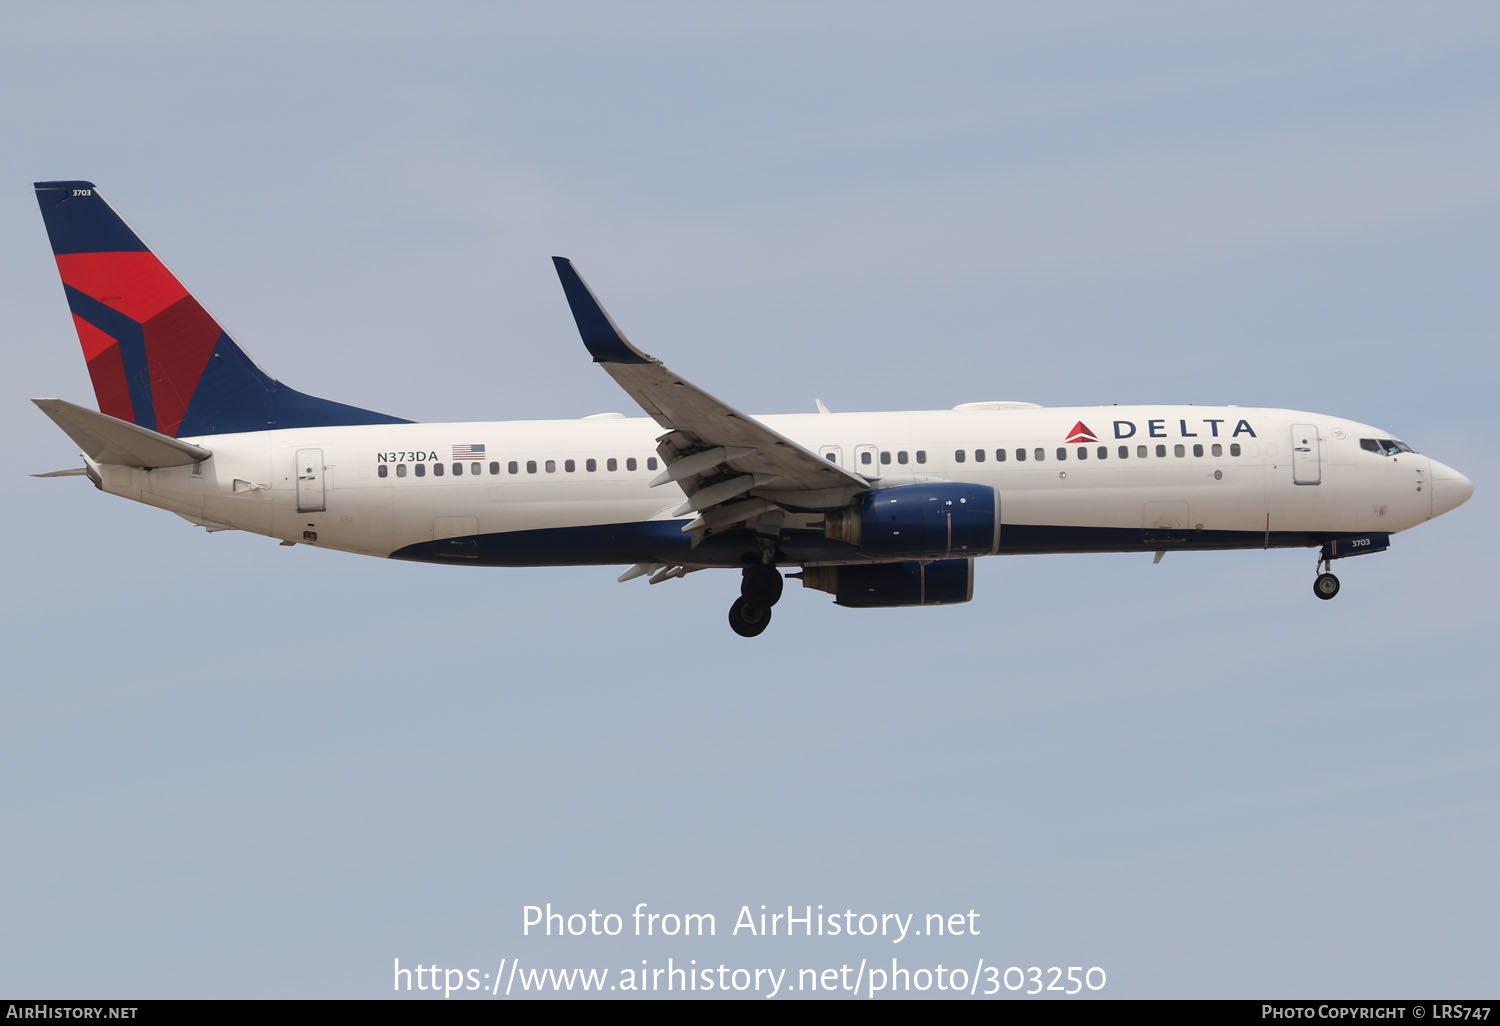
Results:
<point x="468" y="452"/>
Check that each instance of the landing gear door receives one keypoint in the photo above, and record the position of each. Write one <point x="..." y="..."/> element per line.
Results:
<point x="310" y="481"/>
<point x="1307" y="455"/>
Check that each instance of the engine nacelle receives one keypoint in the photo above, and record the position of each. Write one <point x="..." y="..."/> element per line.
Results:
<point x="935" y="520"/>
<point x="885" y="585"/>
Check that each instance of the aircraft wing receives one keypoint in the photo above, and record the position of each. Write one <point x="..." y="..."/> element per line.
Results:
<point x="733" y="468"/>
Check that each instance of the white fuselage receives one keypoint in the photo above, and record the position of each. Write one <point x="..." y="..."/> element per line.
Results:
<point x="1150" y="476"/>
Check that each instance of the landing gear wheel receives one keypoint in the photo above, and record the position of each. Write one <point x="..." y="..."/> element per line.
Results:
<point x="761" y="585"/>
<point x="748" y="620"/>
<point x="1326" y="586"/>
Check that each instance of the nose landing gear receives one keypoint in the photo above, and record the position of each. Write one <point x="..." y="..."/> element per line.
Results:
<point x="1326" y="586"/>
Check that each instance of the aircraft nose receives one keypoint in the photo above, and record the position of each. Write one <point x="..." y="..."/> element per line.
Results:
<point x="1450" y="489"/>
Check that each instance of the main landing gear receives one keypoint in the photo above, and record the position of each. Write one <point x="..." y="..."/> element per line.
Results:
<point x="760" y="589"/>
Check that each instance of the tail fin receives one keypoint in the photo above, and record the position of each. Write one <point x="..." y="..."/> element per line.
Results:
<point x="156" y="357"/>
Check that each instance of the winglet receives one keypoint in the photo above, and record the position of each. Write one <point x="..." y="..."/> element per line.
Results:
<point x="605" y="342"/>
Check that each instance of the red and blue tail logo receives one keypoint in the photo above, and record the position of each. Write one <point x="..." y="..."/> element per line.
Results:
<point x="156" y="357"/>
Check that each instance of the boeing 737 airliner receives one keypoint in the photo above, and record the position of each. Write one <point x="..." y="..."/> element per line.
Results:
<point x="878" y="509"/>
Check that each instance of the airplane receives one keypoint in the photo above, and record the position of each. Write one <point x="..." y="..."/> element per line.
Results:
<point x="878" y="509"/>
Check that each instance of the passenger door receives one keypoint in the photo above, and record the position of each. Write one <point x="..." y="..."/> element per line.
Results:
<point x="1307" y="455"/>
<point x="310" y="498"/>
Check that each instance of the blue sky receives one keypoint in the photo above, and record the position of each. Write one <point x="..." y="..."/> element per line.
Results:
<point x="234" y="769"/>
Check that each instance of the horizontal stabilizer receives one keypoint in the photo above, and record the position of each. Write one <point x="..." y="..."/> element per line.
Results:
<point x="106" y="439"/>
<point x="72" y="472"/>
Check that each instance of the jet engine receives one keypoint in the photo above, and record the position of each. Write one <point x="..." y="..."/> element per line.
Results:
<point x="936" y="520"/>
<point x="885" y="585"/>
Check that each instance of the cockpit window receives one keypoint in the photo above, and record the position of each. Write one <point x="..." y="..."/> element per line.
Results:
<point x="1385" y="446"/>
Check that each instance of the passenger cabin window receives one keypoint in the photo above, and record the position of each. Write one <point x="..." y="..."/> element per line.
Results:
<point x="569" y="466"/>
<point x="421" y="470"/>
<point x="921" y="455"/>
<point x="1083" y="452"/>
<point x="1124" y="452"/>
<point x="1234" y="448"/>
<point x="381" y="470"/>
<point x="651" y="463"/>
<point x="865" y="458"/>
<point x="901" y="457"/>
<point x="1062" y="452"/>
<point x="1217" y="450"/>
<point x="999" y="455"/>
<point x="513" y="467"/>
<point x="630" y="463"/>
<point x="1040" y="454"/>
<point x="591" y="465"/>
<point x="551" y="466"/>
<point x="1179" y="450"/>
<point x="1020" y="455"/>
<point x="1140" y="452"/>
<point x="474" y="469"/>
<point x="978" y="455"/>
<point x="1103" y="452"/>
<point x="494" y="468"/>
<point x="885" y="458"/>
<point x="1198" y="449"/>
<point x="1161" y="450"/>
<point x="959" y="455"/>
<point x="611" y="464"/>
<point x="401" y="470"/>
<point x="531" y="466"/>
